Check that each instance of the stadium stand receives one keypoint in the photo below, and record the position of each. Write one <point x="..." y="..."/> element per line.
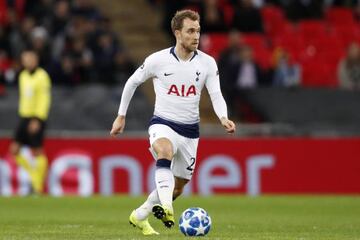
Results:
<point x="91" y="47"/>
<point x="73" y="110"/>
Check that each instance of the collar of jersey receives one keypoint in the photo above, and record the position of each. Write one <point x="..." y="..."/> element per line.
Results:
<point x="172" y="51"/>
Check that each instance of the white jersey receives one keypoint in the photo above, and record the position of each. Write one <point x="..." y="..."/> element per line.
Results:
<point x="177" y="85"/>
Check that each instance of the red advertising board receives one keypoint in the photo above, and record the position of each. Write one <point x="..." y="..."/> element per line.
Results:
<point x="223" y="165"/>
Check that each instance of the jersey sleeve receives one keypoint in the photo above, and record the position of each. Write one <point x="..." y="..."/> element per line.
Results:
<point x="213" y="86"/>
<point x="143" y="73"/>
<point x="43" y="98"/>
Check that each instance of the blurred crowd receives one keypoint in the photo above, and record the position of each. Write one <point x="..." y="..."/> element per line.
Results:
<point x="244" y="65"/>
<point x="245" y="15"/>
<point x="74" y="40"/>
<point x="277" y="43"/>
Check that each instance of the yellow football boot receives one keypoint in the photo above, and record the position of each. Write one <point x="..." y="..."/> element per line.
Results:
<point x="143" y="225"/>
<point x="164" y="214"/>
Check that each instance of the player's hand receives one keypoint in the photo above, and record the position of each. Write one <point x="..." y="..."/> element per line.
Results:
<point x="228" y="125"/>
<point x="34" y="126"/>
<point x="118" y="126"/>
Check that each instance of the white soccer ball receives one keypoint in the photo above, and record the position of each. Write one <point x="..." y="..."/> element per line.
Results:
<point x="195" y="221"/>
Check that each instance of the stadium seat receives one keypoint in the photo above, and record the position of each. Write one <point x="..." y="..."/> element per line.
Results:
<point x="213" y="43"/>
<point x="292" y="43"/>
<point x="255" y="40"/>
<point x="3" y="13"/>
<point x="318" y="74"/>
<point x="348" y="33"/>
<point x="327" y="43"/>
<point x="228" y="13"/>
<point x="273" y="19"/>
<point x="311" y="29"/>
<point x="263" y="57"/>
<point x="339" y="15"/>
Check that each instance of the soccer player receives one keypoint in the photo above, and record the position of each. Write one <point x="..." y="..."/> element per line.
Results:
<point x="34" y="104"/>
<point x="179" y="73"/>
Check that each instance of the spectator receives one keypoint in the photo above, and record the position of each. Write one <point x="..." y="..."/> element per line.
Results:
<point x="285" y="73"/>
<point x="247" y="18"/>
<point x="40" y="10"/>
<point x="64" y="72"/>
<point x="229" y="58"/>
<point x="212" y="17"/>
<point x="60" y="18"/>
<point x="170" y="8"/>
<point x="4" y="41"/>
<point x="86" y="9"/>
<point x="39" y="42"/>
<point x="65" y="40"/>
<point x="83" y="59"/>
<point x="357" y="12"/>
<point x="247" y="73"/>
<point x="243" y="73"/>
<point x="124" y="67"/>
<point x="304" y="9"/>
<point x="20" y="36"/>
<point x="342" y="3"/>
<point x="349" y="68"/>
<point x="105" y="57"/>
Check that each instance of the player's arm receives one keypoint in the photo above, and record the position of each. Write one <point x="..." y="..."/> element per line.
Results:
<point x="217" y="99"/>
<point x="118" y="125"/>
<point x="143" y="73"/>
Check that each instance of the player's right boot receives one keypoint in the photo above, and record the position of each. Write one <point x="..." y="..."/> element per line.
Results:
<point x="164" y="214"/>
<point x="143" y="225"/>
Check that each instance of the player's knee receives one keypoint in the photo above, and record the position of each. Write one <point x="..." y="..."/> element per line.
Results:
<point x="164" y="151"/>
<point x="163" y="148"/>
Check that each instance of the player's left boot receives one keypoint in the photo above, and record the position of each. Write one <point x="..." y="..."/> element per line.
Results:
<point x="166" y="215"/>
<point x="143" y="225"/>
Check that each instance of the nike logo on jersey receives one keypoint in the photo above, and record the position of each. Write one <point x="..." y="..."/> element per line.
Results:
<point x="168" y="74"/>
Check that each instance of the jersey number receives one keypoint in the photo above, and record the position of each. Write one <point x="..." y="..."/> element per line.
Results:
<point x="190" y="168"/>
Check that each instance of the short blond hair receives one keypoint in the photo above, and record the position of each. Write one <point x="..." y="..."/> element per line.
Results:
<point x="178" y="19"/>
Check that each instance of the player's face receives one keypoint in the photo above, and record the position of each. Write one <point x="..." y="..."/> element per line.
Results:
<point x="29" y="60"/>
<point x="189" y="35"/>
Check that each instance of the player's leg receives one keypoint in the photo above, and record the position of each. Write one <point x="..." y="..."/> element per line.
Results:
<point x="41" y="161"/>
<point x="22" y="138"/>
<point x="182" y="167"/>
<point x="40" y="169"/>
<point x="145" y="209"/>
<point x="19" y="158"/>
<point x="179" y="186"/>
<point x="24" y="162"/>
<point x="164" y="185"/>
<point x="164" y="180"/>
<point x="139" y="217"/>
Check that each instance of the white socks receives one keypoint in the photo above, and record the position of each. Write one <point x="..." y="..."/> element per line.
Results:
<point x="145" y="209"/>
<point x="163" y="194"/>
<point x="165" y="184"/>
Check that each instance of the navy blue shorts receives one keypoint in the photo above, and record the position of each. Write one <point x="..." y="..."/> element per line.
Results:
<point x="23" y="136"/>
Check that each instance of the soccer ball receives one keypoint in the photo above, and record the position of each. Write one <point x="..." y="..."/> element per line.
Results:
<point x="195" y="222"/>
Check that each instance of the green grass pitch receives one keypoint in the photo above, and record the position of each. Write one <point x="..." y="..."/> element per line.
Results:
<point x="234" y="217"/>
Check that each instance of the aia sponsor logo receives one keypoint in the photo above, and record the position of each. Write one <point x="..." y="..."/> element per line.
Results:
<point x="182" y="91"/>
